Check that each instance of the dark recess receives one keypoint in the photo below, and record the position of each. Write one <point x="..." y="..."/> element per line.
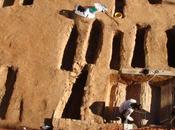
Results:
<point x="155" y="1"/>
<point x="95" y="42"/>
<point x="139" y="50"/>
<point x="8" y="3"/>
<point x="115" y="60"/>
<point x="119" y="6"/>
<point x="11" y="78"/>
<point x="72" y="108"/>
<point x="28" y="2"/>
<point x="171" y="46"/>
<point x="21" y="110"/>
<point x="69" y="52"/>
<point x="155" y="105"/>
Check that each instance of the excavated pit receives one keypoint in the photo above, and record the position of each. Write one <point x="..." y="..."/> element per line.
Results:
<point x="139" y="50"/>
<point x="8" y="3"/>
<point x="70" y="49"/>
<point x="27" y="2"/>
<point x="171" y="46"/>
<point x="116" y="45"/>
<point x="10" y="82"/>
<point x="155" y="1"/>
<point x="72" y="108"/>
<point x="95" y="42"/>
<point x="119" y="6"/>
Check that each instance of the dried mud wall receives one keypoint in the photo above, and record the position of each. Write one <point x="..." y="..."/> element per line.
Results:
<point x="57" y="64"/>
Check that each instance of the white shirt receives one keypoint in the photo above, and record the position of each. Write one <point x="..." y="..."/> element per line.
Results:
<point x="125" y="105"/>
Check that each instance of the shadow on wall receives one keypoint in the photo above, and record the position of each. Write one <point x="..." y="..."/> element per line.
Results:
<point x="67" y="13"/>
<point x="108" y="114"/>
<point x="72" y="109"/>
<point x="155" y="1"/>
<point x="9" y="85"/>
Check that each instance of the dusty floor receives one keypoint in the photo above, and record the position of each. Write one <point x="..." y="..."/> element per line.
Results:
<point x="57" y="65"/>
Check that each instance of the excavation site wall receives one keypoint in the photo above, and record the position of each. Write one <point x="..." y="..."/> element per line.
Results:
<point x="60" y="68"/>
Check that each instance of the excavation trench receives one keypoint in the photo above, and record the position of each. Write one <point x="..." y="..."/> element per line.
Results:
<point x="10" y="82"/>
<point x="27" y="2"/>
<point x="155" y="1"/>
<point x="70" y="49"/>
<point x="95" y="42"/>
<point x="115" y="59"/>
<point x="171" y="46"/>
<point x="72" y="108"/>
<point x="8" y="3"/>
<point x="119" y="6"/>
<point x="139" y="50"/>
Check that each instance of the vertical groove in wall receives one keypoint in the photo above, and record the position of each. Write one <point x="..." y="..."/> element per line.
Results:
<point x="115" y="59"/>
<point x="69" y="52"/>
<point x="95" y="42"/>
<point x="11" y="78"/>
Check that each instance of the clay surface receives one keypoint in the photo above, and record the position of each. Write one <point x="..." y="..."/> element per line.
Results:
<point x="56" y="65"/>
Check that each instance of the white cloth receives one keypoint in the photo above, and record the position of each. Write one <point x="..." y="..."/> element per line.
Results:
<point x="100" y="7"/>
<point x="128" y="113"/>
<point x="126" y="105"/>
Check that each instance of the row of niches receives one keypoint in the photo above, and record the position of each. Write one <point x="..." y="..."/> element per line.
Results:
<point x="7" y="3"/>
<point x="120" y="4"/>
<point x="95" y="44"/>
<point x="139" y="53"/>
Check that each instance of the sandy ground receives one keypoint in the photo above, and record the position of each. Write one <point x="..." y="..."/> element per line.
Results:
<point x="41" y="57"/>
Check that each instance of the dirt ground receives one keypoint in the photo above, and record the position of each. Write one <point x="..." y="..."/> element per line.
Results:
<point x="56" y="65"/>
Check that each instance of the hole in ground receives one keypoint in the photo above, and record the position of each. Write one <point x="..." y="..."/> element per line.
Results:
<point x="115" y="60"/>
<point x="69" y="52"/>
<point x="119" y="6"/>
<point x="11" y="78"/>
<point x="72" y="108"/>
<point x="171" y="46"/>
<point x="8" y="3"/>
<point x="155" y="1"/>
<point x="95" y="42"/>
<point x="27" y="2"/>
<point x="139" y="50"/>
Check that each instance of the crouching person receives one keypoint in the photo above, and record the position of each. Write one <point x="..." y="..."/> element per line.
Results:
<point x="127" y="108"/>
